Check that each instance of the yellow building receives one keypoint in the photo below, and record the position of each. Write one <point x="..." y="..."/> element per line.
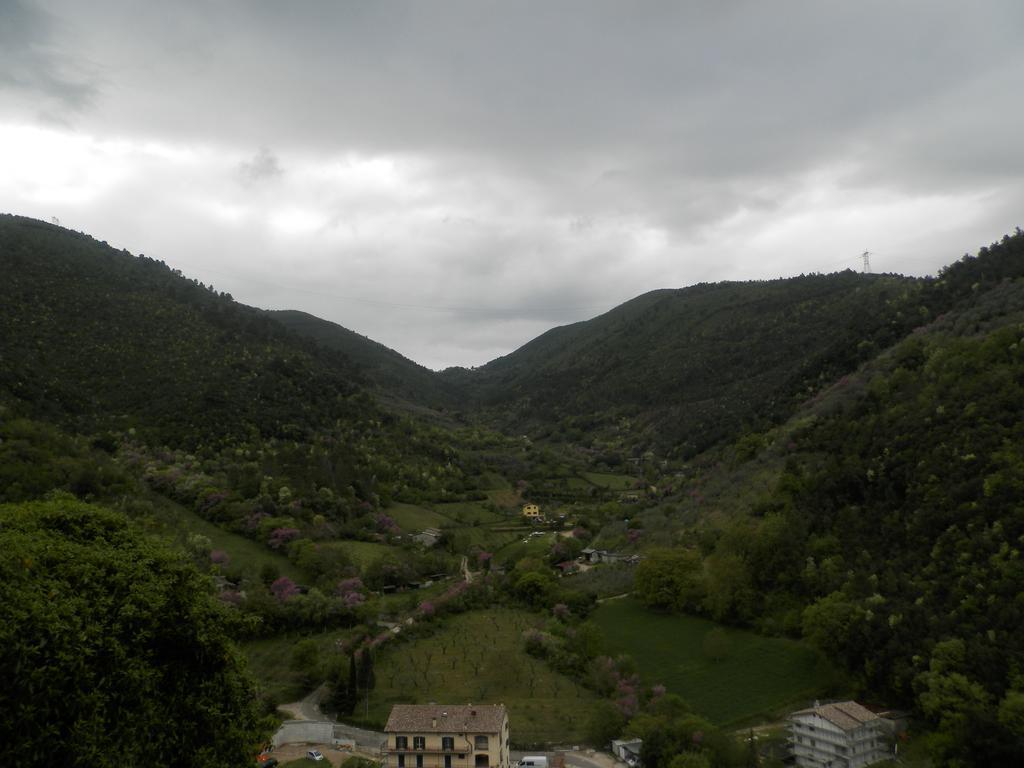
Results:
<point x="532" y="512"/>
<point x="447" y="736"/>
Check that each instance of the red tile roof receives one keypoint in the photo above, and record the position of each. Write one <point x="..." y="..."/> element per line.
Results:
<point x="847" y="715"/>
<point x="446" y="718"/>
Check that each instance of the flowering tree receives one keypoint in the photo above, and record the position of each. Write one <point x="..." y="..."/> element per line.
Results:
<point x="386" y="524"/>
<point x="353" y="599"/>
<point x="284" y="589"/>
<point x="219" y="557"/>
<point x="281" y="536"/>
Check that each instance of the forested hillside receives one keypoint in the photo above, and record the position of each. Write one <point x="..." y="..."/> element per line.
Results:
<point x="257" y="454"/>
<point x="681" y="370"/>
<point x="892" y="536"/>
<point x="98" y="339"/>
<point x="120" y="377"/>
<point x="837" y="458"/>
<point x="391" y="373"/>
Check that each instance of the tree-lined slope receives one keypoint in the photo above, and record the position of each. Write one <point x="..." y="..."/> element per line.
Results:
<point x="96" y="338"/>
<point x="892" y="535"/>
<point x="684" y="369"/>
<point x="392" y="373"/>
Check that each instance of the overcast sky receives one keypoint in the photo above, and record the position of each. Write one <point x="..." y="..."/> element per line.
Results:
<point x="454" y="178"/>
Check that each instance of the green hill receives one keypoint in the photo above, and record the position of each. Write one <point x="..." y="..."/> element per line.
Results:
<point x="216" y="405"/>
<point x="391" y="373"/>
<point x="886" y="524"/>
<point x="96" y="338"/>
<point x="682" y="370"/>
<point x="848" y="452"/>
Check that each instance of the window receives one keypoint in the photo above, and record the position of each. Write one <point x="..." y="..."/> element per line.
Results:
<point x="401" y="742"/>
<point x="447" y="743"/>
<point x="419" y="742"/>
<point x="401" y="761"/>
<point x="419" y="761"/>
<point x="480" y="742"/>
<point x="447" y="761"/>
<point x="481" y="761"/>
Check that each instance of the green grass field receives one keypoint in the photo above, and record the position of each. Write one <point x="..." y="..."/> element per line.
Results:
<point x="270" y="661"/>
<point x="365" y="552"/>
<point x="534" y="546"/>
<point x="479" y="657"/>
<point x="758" y="677"/>
<point x="489" y="539"/>
<point x="408" y="601"/>
<point x="614" y="482"/>
<point x="179" y="522"/>
<point x="413" y="519"/>
<point x="505" y="497"/>
<point x="468" y="512"/>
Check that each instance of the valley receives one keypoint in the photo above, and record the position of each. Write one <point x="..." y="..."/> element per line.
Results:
<point x="808" y="488"/>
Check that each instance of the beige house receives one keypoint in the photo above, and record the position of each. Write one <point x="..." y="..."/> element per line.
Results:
<point x="532" y="512"/>
<point x="840" y="735"/>
<point x="447" y="736"/>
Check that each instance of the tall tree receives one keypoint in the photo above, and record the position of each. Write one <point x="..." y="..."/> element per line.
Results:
<point x="113" y="646"/>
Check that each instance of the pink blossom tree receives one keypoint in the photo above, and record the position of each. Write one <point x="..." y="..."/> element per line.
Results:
<point x="284" y="589"/>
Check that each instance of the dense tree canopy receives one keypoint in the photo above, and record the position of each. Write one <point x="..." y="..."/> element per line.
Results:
<point x="113" y="650"/>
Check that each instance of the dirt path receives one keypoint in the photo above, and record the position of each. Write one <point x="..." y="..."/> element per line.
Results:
<point x="307" y="708"/>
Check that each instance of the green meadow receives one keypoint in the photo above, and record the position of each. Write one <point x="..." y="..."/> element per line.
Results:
<point x="469" y="512"/>
<point x="270" y="662"/>
<point x="524" y="545"/>
<point x="365" y="552"/>
<point x="413" y="519"/>
<point x="179" y="522"/>
<point x="614" y="482"/>
<point x="733" y="677"/>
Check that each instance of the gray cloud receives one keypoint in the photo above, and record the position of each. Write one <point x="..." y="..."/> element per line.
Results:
<point x="460" y="173"/>
<point x="35" y="76"/>
<point x="264" y="166"/>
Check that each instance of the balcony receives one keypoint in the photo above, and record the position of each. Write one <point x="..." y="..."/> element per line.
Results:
<point x="464" y="748"/>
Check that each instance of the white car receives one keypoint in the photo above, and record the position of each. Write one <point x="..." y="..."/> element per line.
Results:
<point x="314" y="754"/>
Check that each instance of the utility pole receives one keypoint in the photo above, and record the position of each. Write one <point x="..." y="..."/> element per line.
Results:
<point x="867" y="261"/>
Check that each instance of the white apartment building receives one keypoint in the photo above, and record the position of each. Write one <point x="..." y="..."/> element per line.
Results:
<point x="839" y="735"/>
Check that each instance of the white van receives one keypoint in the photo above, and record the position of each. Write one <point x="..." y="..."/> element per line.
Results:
<point x="534" y="761"/>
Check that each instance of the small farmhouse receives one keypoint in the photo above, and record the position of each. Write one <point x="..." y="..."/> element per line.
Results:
<point x="447" y="736"/>
<point x="532" y="512"/>
<point x="843" y="734"/>
<point x="428" y="537"/>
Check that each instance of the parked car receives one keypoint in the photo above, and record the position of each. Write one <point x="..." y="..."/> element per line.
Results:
<point x="270" y="762"/>
<point x="314" y="754"/>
